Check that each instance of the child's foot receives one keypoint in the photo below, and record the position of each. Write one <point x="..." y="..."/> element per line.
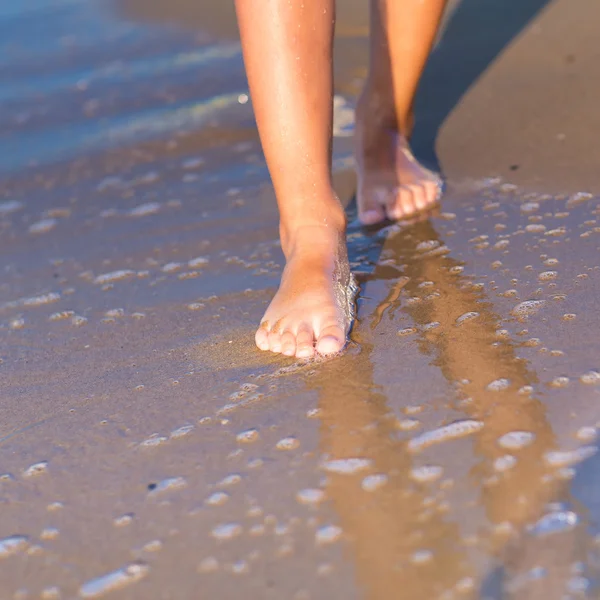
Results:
<point x="391" y="183"/>
<point x="313" y="309"/>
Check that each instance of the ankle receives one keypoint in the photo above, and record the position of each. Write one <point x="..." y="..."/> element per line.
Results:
<point x="377" y="111"/>
<point x="309" y="234"/>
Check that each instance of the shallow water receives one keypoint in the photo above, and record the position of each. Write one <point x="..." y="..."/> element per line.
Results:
<point x="147" y="448"/>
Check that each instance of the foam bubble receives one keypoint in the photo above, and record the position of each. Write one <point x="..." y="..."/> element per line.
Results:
<point x="43" y="226"/>
<point x="114" y="276"/>
<point x="328" y="534"/>
<point x="248" y="436"/>
<point x="527" y="308"/>
<point x="452" y="431"/>
<point x="555" y="522"/>
<point x="426" y="473"/>
<point x="346" y="466"/>
<point x="118" y="579"/>
<point x="569" y="457"/>
<point x="288" y="443"/>
<point x="13" y="544"/>
<point x="310" y="496"/>
<point x="36" y="469"/>
<point x="9" y="206"/>
<point x="468" y="316"/>
<point x="498" y="385"/>
<point x="168" y="485"/>
<point x="515" y="440"/>
<point x="373" y="482"/>
<point x="226" y="531"/>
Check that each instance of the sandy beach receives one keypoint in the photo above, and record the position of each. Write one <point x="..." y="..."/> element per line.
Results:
<point x="149" y="451"/>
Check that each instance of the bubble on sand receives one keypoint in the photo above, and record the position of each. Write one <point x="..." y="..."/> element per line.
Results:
<point x="535" y="228"/>
<point x="149" y="208"/>
<point x="452" y="431"/>
<point x="555" y="522"/>
<point x="515" y="440"/>
<point x="231" y="479"/>
<point x="287" y="443"/>
<point x="152" y="546"/>
<point x="123" y="520"/>
<point x="590" y="378"/>
<point x="373" y="482"/>
<point x="192" y="163"/>
<point x="41" y="300"/>
<point x="115" y="580"/>
<point x="548" y="275"/>
<point x="407" y="331"/>
<point x="587" y="434"/>
<point x="167" y="485"/>
<point x="408" y="424"/>
<point x="346" y="466"/>
<point x="43" y="226"/>
<point x="248" y="436"/>
<point x="181" y="431"/>
<point x="421" y="557"/>
<point x="217" y="499"/>
<point x="36" y="469"/>
<point x="426" y="473"/>
<point x="310" y="496"/>
<point x="569" y="317"/>
<point x="13" y="544"/>
<point x="154" y="440"/>
<point x="208" y="565"/>
<point x="560" y="382"/>
<point x="527" y="308"/>
<point x="578" y="198"/>
<point x="498" y="385"/>
<point x="114" y="276"/>
<point x="18" y="323"/>
<point x="328" y="534"/>
<point x="61" y="316"/>
<point x="49" y="533"/>
<point x="529" y="207"/>
<point x="568" y="458"/>
<point x="226" y="531"/>
<point x="196" y="263"/>
<point x="468" y="316"/>
<point x="50" y="593"/>
<point x="115" y="313"/>
<point x="9" y="206"/>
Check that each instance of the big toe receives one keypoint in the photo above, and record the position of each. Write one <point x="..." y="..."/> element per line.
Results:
<point x="331" y="340"/>
<point x="370" y="206"/>
<point x="262" y="338"/>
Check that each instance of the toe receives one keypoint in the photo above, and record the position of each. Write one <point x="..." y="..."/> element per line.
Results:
<point x="262" y="338"/>
<point x="288" y="343"/>
<point x="275" y="341"/>
<point x="433" y="191"/>
<point x="331" y="340"/>
<point x="305" y="346"/>
<point x="370" y="208"/>
<point x="421" y="196"/>
<point x="401" y="204"/>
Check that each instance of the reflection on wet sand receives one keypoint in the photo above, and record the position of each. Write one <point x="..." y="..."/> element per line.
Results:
<point x="402" y="536"/>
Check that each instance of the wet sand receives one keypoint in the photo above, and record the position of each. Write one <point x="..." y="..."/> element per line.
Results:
<point x="148" y="450"/>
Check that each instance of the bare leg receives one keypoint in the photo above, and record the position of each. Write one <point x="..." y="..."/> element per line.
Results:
<point x="391" y="182"/>
<point x="288" y="54"/>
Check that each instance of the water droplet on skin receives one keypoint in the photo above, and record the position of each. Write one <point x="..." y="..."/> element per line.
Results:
<point x="288" y="443"/>
<point x="217" y="499"/>
<point x="226" y="531"/>
<point x="346" y="466"/>
<point x="310" y="496"/>
<point x="498" y="385"/>
<point x="373" y="482"/>
<point x="515" y="440"/>
<point x="115" y="580"/>
<point x="426" y="473"/>
<point x="328" y="534"/>
<point x="36" y="469"/>
<point x="555" y="522"/>
<point x="208" y="565"/>
<point x="421" y="557"/>
<point x="569" y="457"/>
<point x="452" y="431"/>
<point x="13" y="544"/>
<point x="504" y="463"/>
<point x="408" y="424"/>
<point x="248" y="436"/>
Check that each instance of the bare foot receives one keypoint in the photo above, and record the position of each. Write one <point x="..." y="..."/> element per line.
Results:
<point x="313" y="309"/>
<point x="391" y="182"/>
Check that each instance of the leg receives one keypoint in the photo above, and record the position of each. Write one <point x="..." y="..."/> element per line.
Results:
<point x="288" y="54"/>
<point x="391" y="182"/>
